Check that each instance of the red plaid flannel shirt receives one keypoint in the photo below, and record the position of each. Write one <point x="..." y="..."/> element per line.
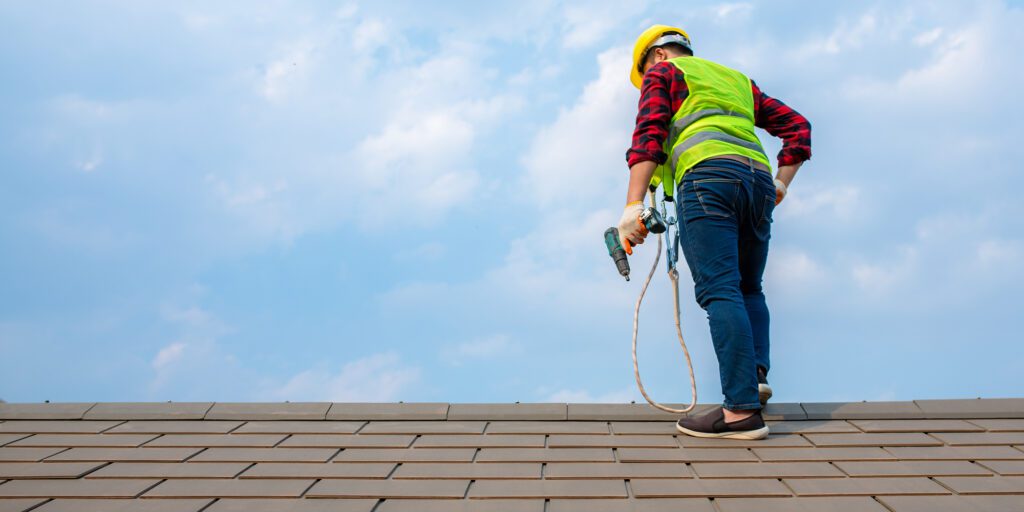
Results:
<point x="664" y="90"/>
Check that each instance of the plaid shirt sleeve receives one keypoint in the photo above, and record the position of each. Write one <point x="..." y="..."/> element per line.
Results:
<point x="781" y="121"/>
<point x="663" y="90"/>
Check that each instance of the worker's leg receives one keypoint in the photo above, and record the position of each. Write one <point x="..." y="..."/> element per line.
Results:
<point x="707" y="208"/>
<point x="753" y="250"/>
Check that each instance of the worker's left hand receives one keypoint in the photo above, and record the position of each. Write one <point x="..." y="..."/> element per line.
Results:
<point x="780" y="191"/>
<point x="630" y="228"/>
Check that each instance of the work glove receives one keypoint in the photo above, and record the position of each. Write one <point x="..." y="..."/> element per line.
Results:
<point x="780" y="191"/>
<point x="631" y="230"/>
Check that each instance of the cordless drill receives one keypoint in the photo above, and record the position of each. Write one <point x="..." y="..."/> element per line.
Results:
<point x="650" y="220"/>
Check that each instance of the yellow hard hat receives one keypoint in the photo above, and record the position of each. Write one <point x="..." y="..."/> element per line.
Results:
<point x="650" y="38"/>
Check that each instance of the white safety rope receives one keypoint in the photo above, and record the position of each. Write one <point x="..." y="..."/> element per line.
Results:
<point x="674" y="276"/>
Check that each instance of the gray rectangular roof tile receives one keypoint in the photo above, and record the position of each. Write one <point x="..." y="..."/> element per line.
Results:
<point x="19" y="504"/>
<point x="976" y="438"/>
<point x="829" y="504"/>
<point x="479" y="441"/>
<point x="781" y="441"/>
<point x="994" y="425"/>
<point x="169" y="470"/>
<point x="174" y="427"/>
<point x="211" y="440"/>
<point x="644" y="427"/>
<point x="811" y="427"/>
<point x="881" y="439"/>
<point x="490" y="489"/>
<point x="498" y="412"/>
<point x="879" y="426"/>
<point x="685" y="455"/>
<point x="148" y="411"/>
<point x="26" y="454"/>
<point x="717" y="488"/>
<point x="291" y="505"/>
<point x="868" y="486"/>
<point x="98" y="440"/>
<point x="56" y="426"/>
<point x="1004" y="467"/>
<point x="79" y="488"/>
<point x="424" y="427"/>
<point x="473" y="471"/>
<point x="953" y="503"/>
<point x="7" y="439"/>
<point x="971" y="485"/>
<point x="347" y="441"/>
<point x="616" y="470"/>
<point x="544" y="455"/>
<point x="269" y="411"/>
<point x="976" y="408"/>
<point x="822" y="454"/>
<point x="123" y="505"/>
<point x="630" y="412"/>
<point x="415" y="505"/>
<point x="862" y="410"/>
<point x="25" y="470"/>
<point x="632" y="505"/>
<point x="453" y="489"/>
<point x="44" y="411"/>
<point x="299" y="427"/>
<point x="389" y="411"/>
<point x="604" y="440"/>
<point x="783" y="411"/>
<point x="404" y="455"/>
<point x="260" y="454"/>
<point x="228" y="488"/>
<point x="955" y="453"/>
<point x="318" y="470"/>
<point x="912" y="468"/>
<point x="766" y="470"/>
<point x="547" y="427"/>
<point x="124" y="455"/>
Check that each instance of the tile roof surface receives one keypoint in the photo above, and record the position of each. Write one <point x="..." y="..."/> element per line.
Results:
<point x="923" y="455"/>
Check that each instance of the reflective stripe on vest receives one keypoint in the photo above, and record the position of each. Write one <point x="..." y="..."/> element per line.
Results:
<point x="699" y="137"/>
<point x="680" y="124"/>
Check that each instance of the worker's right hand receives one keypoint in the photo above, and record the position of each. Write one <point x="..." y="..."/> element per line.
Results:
<point x="780" y="191"/>
<point x="631" y="230"/>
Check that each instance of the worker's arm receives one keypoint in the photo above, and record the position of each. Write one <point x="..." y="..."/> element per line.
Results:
<point x="780" y="120"/>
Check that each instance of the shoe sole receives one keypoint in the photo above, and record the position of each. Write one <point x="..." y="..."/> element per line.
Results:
<point x="749" y="435"/>
<point x="764" y="392"/>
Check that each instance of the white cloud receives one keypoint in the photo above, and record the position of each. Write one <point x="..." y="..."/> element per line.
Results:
<point x="793" y="270"/>
<point x="582" y="152"/>
<point x="588" y="24"/>
<point x="839" y="202"/>
<point x="579" y="396"/>
<point x="168" y="355"/>
<point x="482" y="348"/>
<point x="379" y="377"/>
<point x="286" y="73"/>
<point x="928" y="37"/>
<point x="730" y="12"/>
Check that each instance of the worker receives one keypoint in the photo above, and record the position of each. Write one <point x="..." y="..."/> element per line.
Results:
<point x="694" y="135"/>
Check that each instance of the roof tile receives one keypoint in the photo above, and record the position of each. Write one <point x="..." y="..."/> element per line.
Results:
<point x="174" y="427"/>
<point x="716" y="488"/>
<point x="261" y="454"/>
<point x="993" y="425"/>
<point x="318" y="470"/>
<point x="464" y="471"/>
<point x="888" y="439"/>
<point x="981" y="438"/>
<point x="633" y="412"/>
<point x="389" y="489"/>
<point x="269" y="411"/>
<point x="685" y="455"/>
<point x="862" y="410"/>
<point x="545" y="455"/>
<point x="480" y="441"/>
<point x="878" y="426"/>
<point x="644" y="427"/>
<point x="56" y="426"/>
<point x="346" y="441"/>
<point x="25" y="470"/>
<point x="229" y="488"/>
<point x="75" y="488"/>
<point x="863" y="486"/>
<point x="603" y="440"/>
<point x="392" y="411"/>
<point x="97" y="440"/>
<point x="766" y="470"/>
<point x="6" y="439"/>
<point x="404" y="455"/>
<point x="124" y="455"/>
<point x="291" y="505"/>
<point x="958" y="503"/>
<point x="211" y="440"/>
<point x="26" y="454"/>
<point x="547" y="489"/>
<point x="789" y="441"/>
<point x="424" y="427"/>
<point x="415" y="505"/>
<point x="541" y="412"/>
<point x="911" y="468"/>
<point x="299" y="427"/>
<point x="616" y="470"/>
<point x="168" y="470"/>
<point x="955" y="453"/>
<point x="1004" y="467"/>
<point x="821" y="454"/>
<point x="811" y="427"/>
<point x="19" y="505"/>
<point x="970" y="485"/>
<point x="44" y="411"/>
<point x="784" y="411"/>
<point x="632" y="505"/>
<point x="549" y="427"/>
<point x="123" y="505"/>
<point x="830" y="504"/>
<point x="148" y="411"/>
<point x="976" y="408"/>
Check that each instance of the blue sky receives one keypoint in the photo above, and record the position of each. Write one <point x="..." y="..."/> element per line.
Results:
<point x="376" y="201"/>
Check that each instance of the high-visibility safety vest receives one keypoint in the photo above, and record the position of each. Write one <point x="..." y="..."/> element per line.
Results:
<point x="717" y="118"/>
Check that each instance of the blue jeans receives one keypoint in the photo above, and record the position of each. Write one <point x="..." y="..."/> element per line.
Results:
<point x="725" y="213"/>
